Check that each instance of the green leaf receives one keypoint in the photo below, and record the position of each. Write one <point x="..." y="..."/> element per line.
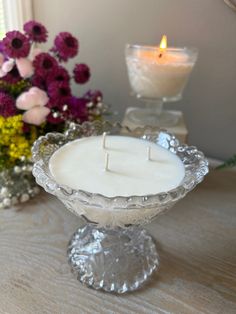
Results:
<point x="229" y="163"/>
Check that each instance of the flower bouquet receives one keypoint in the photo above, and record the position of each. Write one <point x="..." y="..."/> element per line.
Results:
<point x="36" y="98"/>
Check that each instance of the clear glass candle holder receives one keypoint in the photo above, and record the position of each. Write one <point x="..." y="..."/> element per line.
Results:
<point x="112" y="251"/>
<point x="158" y="76"/>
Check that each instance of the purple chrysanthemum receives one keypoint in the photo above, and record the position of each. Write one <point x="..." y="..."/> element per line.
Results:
<point x="1" y="46"/>
<point x="44" y="63"/>
<point x="36" y="31"/>
<point x="81" y="73"/>
<point x="7" y="105"/>
<point x="39" y="81"/>
<point x="59" y="92"/>
<point x="16" y="45"/>
<point x="13" y="76"/>
<point x="54" y="120"/>
<point x="94" y="96"/>
<point x="78" y="109"/>
<point x="55" y="116"/>
<point x="59" y="74"/>
<point x="65" y="46"/>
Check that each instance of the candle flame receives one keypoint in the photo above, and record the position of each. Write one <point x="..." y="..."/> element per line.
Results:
<point x="163" y="43"/>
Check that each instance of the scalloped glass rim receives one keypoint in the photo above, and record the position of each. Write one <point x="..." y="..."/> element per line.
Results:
<point x="192" y="52"/>
<point x="196" y="165"/>
<point x="150" y="47"/>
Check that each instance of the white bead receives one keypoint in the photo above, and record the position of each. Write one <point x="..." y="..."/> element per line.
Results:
<point x="89" y="105"/>
<point x="17" y="169"/>
<point x="72" y="125"/>
<point x="14" y="200"/>
<point x="96" y="112"/>
<point x="6" y="202"/>
<point x="24" y="198"/>
<point x="29" y="168"/>
<point x="55" y="114"/>
<point x="4" y="191"/>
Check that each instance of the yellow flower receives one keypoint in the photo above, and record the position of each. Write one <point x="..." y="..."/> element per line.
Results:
<point x="9" y="127"/>
<point x="14" y="142"/>
<point x="20" y="147"/>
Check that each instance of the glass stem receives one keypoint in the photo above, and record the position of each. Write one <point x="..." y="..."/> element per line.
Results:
<point x="154" y="107"/>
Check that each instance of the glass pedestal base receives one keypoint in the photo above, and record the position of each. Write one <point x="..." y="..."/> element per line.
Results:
<point x="149" y="116"/>
<point x="115" y="260"/>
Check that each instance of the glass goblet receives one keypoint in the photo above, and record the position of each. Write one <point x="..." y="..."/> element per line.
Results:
<point x="155" y="78"/>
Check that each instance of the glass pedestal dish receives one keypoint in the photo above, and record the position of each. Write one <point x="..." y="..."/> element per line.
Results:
<point x="112" y="251"/>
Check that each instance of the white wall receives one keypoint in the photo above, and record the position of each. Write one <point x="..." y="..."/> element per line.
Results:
<point x="105" y="26"/>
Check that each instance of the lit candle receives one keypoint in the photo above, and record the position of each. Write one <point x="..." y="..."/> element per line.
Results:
<point x="159" y="72"/>
<point x="80" y="165"/>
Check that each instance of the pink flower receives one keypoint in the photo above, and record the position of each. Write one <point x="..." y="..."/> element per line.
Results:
<point x="2" y="73"/>
<point x="25" y="67"/>
<point x="34" y="97"/>
<point x="36" y="115"/>
<point x="34" y="102"/>
<point x="8" y="65"/>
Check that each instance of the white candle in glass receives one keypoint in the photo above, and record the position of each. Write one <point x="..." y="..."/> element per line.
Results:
<point x="80" y="165"/>
<point x="159" y="72"/>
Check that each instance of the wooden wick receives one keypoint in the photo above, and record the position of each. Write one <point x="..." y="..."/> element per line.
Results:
<point x="149" y="153"/>
<point x="104" y="140"/>
<point x="106" y="162"/>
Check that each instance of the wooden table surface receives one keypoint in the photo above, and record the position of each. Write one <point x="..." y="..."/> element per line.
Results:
<point x="196" y="241"/>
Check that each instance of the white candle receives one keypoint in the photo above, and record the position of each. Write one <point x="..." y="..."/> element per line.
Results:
<point x="152" y="76"/>
<point x="159" y="72"/>
<point x="80" y="165"/>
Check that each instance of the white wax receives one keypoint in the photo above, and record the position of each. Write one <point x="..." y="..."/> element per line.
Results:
<point x="80" y="165"/>
<point x="152" y="76"/>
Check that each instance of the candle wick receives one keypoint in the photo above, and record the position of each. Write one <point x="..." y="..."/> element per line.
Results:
<point x="160" y="55"/>
<point x="148" y="153"/>
<point x="106" y="162"/>
<point x="104" y="140"/>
